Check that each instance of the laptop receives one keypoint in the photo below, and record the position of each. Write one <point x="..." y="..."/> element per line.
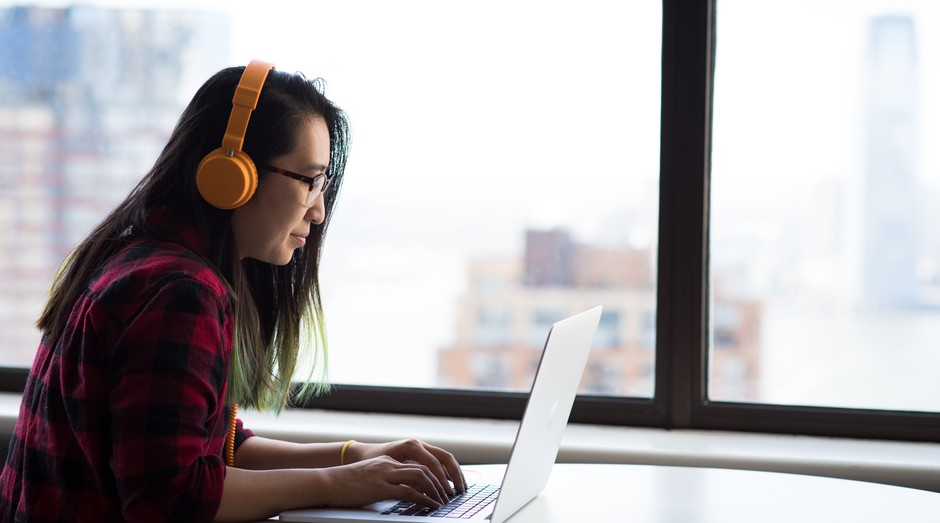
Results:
<point x="533" y="453"/>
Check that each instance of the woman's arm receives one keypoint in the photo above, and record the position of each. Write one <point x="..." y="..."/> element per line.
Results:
<point x="259" y="453"/>
<point x="252" y="495"/>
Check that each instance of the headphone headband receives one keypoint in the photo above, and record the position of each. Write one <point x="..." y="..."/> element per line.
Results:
<point x="227" y="177"/>
<point x="244" y="102"/>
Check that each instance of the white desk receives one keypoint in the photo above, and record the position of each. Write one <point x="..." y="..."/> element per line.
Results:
<point x="646" y="494"/>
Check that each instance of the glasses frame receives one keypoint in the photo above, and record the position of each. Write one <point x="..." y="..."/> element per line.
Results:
<point x="310" y="181"/>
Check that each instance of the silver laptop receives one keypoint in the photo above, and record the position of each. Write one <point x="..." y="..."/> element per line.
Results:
<point x="533" y="453"/>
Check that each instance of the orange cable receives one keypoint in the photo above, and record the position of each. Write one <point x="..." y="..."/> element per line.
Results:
<point x="230" y="438"/>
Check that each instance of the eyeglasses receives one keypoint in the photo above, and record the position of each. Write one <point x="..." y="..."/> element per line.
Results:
<point x="318" y="184"/>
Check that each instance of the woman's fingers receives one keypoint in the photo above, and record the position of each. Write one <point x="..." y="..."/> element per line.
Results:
<point x="427" y="455"/>
<point x="440" y="462"/>
<point x="415" y="477"/>
<point x="451" y="468"/>
<point x="419" y="480"/>
<point x="384" y="477"/>
<point x="406" y="493"/>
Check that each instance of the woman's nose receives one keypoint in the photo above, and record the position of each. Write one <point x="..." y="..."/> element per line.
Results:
<point x="317" y="212"/>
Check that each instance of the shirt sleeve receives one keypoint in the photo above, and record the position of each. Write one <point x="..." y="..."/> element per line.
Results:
<point x="241" y="433"/>
<point x="167" y="375"/>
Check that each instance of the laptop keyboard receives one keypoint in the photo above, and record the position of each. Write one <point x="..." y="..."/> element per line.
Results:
<point x="461" y="506"/>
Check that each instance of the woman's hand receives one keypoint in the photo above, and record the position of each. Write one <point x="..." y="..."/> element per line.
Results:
<point x="254" y="495"/>
<point x="381" y="478"/>
<point x="441" y="464"/>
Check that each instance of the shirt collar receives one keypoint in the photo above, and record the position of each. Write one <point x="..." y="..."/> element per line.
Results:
<point x="167" y="225"/>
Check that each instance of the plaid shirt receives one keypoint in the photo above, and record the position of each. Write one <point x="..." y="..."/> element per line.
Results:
<point x="123" y="419"/>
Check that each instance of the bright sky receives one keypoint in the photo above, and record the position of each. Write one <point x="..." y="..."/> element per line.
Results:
<point x="805" y="56"/>
<point x="790" y="84"/>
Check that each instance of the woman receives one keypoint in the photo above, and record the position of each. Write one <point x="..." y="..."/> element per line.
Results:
<point x="191" y="297"/>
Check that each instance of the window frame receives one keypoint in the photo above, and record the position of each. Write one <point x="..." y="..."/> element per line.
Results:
<point x="680" y="399"/>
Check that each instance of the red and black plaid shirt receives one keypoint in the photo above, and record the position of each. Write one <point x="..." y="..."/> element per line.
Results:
<point x="124" y="418"/>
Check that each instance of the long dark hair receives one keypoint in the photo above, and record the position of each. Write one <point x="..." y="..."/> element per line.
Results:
<point x="274" y="305"/>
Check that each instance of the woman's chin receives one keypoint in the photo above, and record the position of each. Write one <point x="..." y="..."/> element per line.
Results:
<point x="275" y="259"/>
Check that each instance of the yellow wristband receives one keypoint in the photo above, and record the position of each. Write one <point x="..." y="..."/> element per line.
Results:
<point x="342" y="454"/>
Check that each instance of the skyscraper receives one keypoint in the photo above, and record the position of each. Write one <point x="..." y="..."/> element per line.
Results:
<point x="890" y="220"/>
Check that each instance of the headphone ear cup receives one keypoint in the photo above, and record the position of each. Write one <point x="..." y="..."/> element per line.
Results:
<point x="226" y="182"/>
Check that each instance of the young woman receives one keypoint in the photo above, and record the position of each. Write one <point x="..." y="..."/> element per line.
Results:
<point x="192" y="297"/>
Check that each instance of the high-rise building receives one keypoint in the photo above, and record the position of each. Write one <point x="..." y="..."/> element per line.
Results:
<point x="890" y="221"/>
<point x="88" y="97"/>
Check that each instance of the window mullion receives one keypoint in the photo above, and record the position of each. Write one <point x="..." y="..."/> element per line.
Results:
<point x="682" y="295"/>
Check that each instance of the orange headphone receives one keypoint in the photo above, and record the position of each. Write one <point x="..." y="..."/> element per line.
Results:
<point x="227" y="177"/>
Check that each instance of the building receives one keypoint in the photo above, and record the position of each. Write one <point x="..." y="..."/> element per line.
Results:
<point x="891" y="224"/>
<point x="88" y="97"/>
<point x="505" y="315"/>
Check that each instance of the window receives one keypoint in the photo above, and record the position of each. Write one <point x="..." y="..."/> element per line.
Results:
<point x="504" y="168"/>
<point x="492" y="147"/>
<point x="518" y="160"/>
<point x="493" y="327"/>
<point x="823" y="257"/>
<point x="490" y="371"/>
